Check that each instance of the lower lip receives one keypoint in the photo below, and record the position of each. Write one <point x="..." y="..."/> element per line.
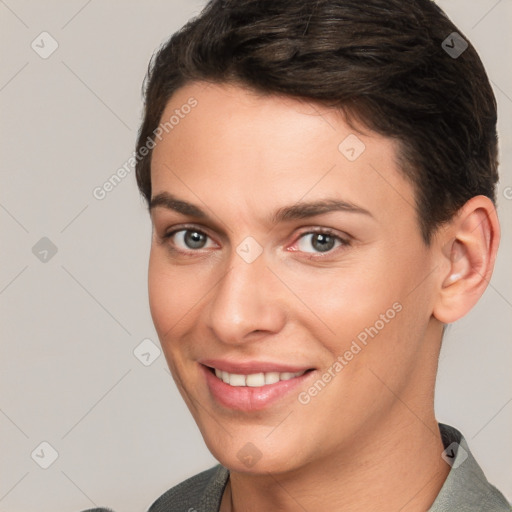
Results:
<point x="246" y="398"/>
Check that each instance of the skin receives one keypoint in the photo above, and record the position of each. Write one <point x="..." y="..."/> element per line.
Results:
<point x="369" y="440"/>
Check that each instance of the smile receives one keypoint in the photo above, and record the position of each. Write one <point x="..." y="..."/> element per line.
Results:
<point x="253" y="391"/>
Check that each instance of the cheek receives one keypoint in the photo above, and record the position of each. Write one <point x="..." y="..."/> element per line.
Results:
<point x="364" y="309"/>
<point x="160" y="294"/>
<point x="171" y="299"/>
<point x="172" y="293"/>
<point x="341" y="301"/>
<point x="177" y="294"/>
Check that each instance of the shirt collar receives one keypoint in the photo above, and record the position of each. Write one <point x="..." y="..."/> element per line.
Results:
<point x="466" y="487"/>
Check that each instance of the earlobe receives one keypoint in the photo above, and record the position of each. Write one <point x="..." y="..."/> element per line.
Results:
<point x="467" y="250"/>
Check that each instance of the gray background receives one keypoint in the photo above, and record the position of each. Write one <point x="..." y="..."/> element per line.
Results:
<point x="70" y="324"/>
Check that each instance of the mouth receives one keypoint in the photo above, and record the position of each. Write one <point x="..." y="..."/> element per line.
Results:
<point x="253" y="391"/>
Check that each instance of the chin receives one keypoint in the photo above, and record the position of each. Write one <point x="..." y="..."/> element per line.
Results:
<point x="255" y="457"/>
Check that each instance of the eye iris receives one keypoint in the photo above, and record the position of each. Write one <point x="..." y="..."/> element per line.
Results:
<point x="322" y="242"/>
<point x="194" y="239"/>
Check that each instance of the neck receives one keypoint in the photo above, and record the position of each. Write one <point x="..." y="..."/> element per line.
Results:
<point x="399" y="468"/>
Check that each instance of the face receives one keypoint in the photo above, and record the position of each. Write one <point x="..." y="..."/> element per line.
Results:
<point x="287" y="260"/>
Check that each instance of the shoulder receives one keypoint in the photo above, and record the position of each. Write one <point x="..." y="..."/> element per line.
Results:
<point x="199" y="493"/>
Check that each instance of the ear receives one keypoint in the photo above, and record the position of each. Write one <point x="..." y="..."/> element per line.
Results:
<point x="467" y="247"/>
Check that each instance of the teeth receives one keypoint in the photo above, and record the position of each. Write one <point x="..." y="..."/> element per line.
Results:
<point x="235" y="380"/>
<point x="255" y="380"/>
<point x="271" y="377"/>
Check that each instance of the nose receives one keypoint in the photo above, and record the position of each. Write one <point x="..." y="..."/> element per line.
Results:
<point x="246" y="303"/>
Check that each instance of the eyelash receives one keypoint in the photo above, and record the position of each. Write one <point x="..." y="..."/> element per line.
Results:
<point x="344" y="242"/>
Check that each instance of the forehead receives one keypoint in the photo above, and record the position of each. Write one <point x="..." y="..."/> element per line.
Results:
<point x="256" y="149"/>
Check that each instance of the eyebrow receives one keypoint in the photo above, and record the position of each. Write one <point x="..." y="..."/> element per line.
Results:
<point x="300" y="210"/>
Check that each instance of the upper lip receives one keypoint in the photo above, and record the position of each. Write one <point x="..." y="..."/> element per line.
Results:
<point x="250" y="367"/>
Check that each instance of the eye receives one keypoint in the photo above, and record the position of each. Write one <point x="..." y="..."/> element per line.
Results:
<point x="319" y="242"/>
<point x="189" y="239"/>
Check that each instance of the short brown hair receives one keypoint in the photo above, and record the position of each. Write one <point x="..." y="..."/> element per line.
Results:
<point x="382" y="62"/>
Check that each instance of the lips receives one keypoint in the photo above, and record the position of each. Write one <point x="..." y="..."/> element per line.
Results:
<point x="251" y="367"/>
<point x="252" y="386"/>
